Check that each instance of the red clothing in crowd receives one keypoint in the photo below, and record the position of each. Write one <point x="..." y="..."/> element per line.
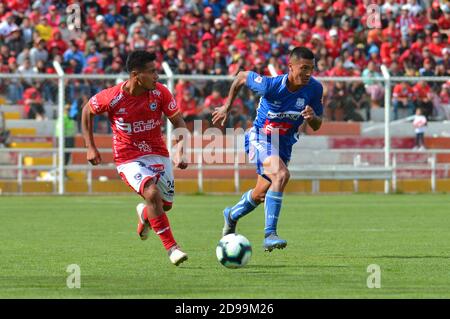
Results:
<point x="212" y="102"/>
<point x="188" y="107"/>
<point x="402" y="91"/>
<point x="421" y="91"/>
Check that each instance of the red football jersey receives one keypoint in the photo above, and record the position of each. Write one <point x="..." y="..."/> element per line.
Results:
<point x="135" y="120"/>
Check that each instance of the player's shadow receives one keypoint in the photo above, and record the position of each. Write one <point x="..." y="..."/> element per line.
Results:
<point x="408" y="257"/>
<point x="268" y="267"/>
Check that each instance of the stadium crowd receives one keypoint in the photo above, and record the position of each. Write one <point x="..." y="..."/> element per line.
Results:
<point x="219" y="37"/>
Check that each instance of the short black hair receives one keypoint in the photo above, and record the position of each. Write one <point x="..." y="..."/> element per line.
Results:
<point x="301" y="53"/>
<point x="138" y="59"/>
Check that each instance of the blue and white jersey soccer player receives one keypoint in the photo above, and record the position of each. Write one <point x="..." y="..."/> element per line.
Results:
<point x="286" y="102"/>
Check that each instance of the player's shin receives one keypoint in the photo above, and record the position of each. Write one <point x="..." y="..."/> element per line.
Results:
<point x="161" y="226"/>
<point x="272" y="207"/>
<point x="243" y="207"/>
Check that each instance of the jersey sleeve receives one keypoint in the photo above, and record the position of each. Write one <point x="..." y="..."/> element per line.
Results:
<point x="99" y="103"/>
<point x="169" y="107"/>
<point x="317" y="100"/>
<point x="258" y="83"/>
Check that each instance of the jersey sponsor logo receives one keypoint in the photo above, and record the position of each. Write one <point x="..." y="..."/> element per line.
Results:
<point x="94" y="103"/>
<point x="290" y="115"/>
<point x="116" y="100"/>
<point x="153" y="106"/>
<point x="172" y="105"/>
<point x="300" y="103"/>
<point x="137" y="127"/>
<point x="258" y="79"/>
<point x="121" y="125"/>
<point x="282" y="127"/>
<point x="143" y="146"/>
<point x="157" y="169"/>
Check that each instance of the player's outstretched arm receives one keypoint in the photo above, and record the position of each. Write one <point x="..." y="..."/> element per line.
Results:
<point x="220" y="114"/>
<point x="179" y="159"/>
<point x="311" y="118"/>
<point x="87" y="124"/>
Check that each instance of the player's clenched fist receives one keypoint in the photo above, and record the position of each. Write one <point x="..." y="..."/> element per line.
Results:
<point x="180" y="161"/>
<point x="93" y="156"/>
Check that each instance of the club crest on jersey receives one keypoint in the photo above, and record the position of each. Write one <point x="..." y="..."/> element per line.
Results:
<point x="153" y="106"/>
<point x="258" y="79"/>
<point x="300" y="103"/>
<point x="138" y="176"/>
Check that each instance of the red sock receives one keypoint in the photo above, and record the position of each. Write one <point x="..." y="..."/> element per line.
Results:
<point x="161" y="227"/>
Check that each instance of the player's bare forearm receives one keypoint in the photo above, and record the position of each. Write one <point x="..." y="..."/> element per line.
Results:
<point x="220" y="114"/>
<point x="179" y="160"/>
<point x="87" y="120"/>
<point x="238" y="82"/>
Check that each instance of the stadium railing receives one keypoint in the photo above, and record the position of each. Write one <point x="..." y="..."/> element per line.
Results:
<point x="170" y="79"/>
<point x="357" y="170"/>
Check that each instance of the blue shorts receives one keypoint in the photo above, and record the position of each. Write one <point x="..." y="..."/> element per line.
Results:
<point x="259" y="147"/>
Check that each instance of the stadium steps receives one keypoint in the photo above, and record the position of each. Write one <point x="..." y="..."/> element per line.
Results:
<point x="23" y="131"/>
<point x="12" y="115"/>
<point x="31" y="145"/>
<point x="33" y="160"/>
<point x="76" y="175"/>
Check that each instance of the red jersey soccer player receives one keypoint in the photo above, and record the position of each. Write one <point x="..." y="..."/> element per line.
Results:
<point x="134" y="109"/>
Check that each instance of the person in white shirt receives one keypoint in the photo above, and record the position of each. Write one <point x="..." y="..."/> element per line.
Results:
<point x="419" y="123"/>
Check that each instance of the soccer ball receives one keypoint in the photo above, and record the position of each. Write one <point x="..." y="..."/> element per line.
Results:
<point x="234" y="251"/>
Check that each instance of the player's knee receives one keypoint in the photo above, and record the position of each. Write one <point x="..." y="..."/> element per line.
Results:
<point x="151" y="193"/>
<point x="281" y="177"/>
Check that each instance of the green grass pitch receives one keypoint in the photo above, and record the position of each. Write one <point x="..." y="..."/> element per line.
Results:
<point x="332" y="239"/>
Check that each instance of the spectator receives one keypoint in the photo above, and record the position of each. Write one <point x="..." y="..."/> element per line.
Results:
<point x="419" y="123"/>
<point x="38" y="52"/>
<point x="27" y="70"/>
<point x="33" y="104"/>
<point x="423" y="95"/>
<point x="5" y="134"/>
<point x="43" y="29"/>
<point x="70" y="130"/>
<point x="7" y="25"/>
<point x="189" y="109"/>
<point x="75" y="55"/>
<point x="373" y="87"/>
<point x="15" y="41"/>
<point x="436" y="46"/>
<point x="158" y="27"/>
<point x="403" y="98"/>
<point x="15" y="88"/>
<point x="237" y="117"/>
<point x="212" y="101"/>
